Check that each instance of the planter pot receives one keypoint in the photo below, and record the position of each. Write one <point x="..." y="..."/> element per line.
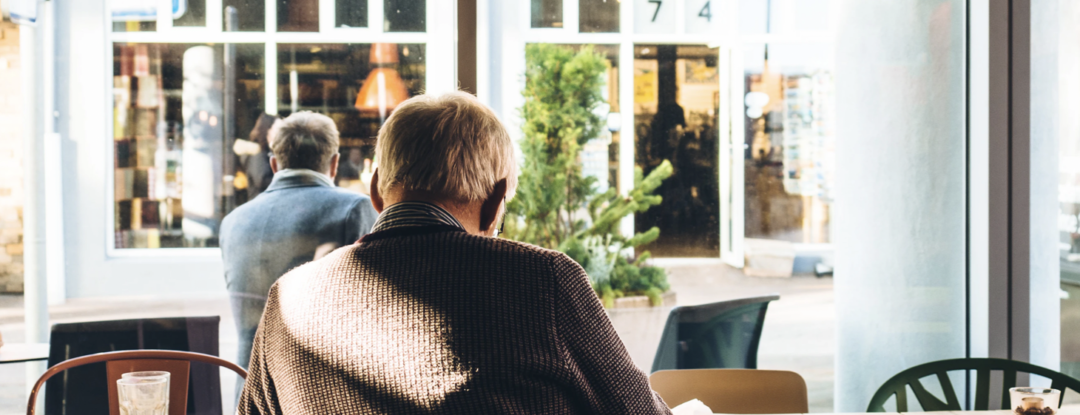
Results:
<point x="640" y="326"/>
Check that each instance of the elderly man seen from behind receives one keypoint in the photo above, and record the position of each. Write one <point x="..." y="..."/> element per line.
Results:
<point x="299" y="217"/>
<point x="431" y="312"/>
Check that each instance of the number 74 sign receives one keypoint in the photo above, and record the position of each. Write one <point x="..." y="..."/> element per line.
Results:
<point x="661" y="16"/>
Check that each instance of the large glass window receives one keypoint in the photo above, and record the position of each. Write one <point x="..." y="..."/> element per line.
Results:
<point x="191" y="118"/>
<point x="790" y="133"/>
<point x="169" y="123"/>
<point x="676" y="99"/>
<point x="778" y="177"/>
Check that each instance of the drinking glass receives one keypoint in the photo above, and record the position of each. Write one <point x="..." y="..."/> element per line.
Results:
<point x="143" y="395"/>
<point x="1034" y="401"/>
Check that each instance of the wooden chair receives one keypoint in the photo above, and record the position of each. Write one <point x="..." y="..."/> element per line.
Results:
<point x="734" y="391"/>
<point x="897" y="385"/>
<point x="117" y="363"/>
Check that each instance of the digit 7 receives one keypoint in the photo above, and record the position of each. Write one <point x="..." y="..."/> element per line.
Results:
<point x="657" y="11"/>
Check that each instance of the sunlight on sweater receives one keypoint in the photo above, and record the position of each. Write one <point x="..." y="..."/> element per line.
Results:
<point x="379" y="345"/>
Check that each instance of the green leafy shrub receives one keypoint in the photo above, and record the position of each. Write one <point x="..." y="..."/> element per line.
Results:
<point x="556" y="206"/>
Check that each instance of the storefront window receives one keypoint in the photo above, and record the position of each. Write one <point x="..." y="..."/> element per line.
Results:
<point x="598" y="16"/>
<point x="351" y="13"/>
<point x="322" y="78"/>
<point x="192" y="15"/>
<point x="546" y="13"/>
<point x="251" y="15"/>
<point x="190" y="120"/>
<point x="405" y="15"/>
<point x="676" y="99"/>
<point x="168" y="138"/>
<point x="298" y="15"/>
<point x="790" y="152"/>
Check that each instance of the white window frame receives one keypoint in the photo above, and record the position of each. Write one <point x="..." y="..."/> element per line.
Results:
<point x="439" y="53"/>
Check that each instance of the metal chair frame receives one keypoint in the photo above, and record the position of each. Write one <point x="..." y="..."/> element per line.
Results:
<point x="127" y="355"/>
<point x="898" y="384"/>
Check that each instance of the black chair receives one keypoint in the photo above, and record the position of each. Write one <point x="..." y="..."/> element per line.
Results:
<point x="89" y="395"/>
<point x="723" y="335"/>
<point x="898" y="385"/>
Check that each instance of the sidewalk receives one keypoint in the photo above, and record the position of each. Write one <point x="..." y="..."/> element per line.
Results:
<point x="799" y="333"/>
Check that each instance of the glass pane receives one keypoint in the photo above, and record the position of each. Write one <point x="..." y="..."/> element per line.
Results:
<point x="676" y="92"/>
<point x="790" y="140"/>
<point x="351" y="13"/>
<point x="598" y="16"/>
<point x="405" y="15"/>
<point x="298" y="15"/>
<point x="1055" y="187"/>
<point x="343" y="82"/>
<point x="250" y="15"/>
<point x="191" y="13"/>
<point x="547" y="13"/>
<point x="899" y="233"/>
<point x="132" y="26"/>
<point x="654" y="16"/>
<point x="779" y="16"/>
<point x="133" y="16"/>
<point x="170" y="121"/>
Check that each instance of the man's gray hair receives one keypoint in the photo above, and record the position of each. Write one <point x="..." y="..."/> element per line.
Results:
<point x="304" y="140"/>
<point x="450" y="145"/>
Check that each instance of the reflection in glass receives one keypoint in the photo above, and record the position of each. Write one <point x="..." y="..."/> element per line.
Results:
<point x="405" y="15"/>
<point x="789" y="112"/>
<point x="778" y="16"/>
<point x="298" y="15"/>
<point x="546" y="13"/>
<point x="1055" y="186"/>
<point x="600" y="156"/>
<point x="676" y="98"/>
<point x="598" y="16"/>
<point x="351" y="13"/>
<point x="134" y="26"/>
<point x="338" y="80"/>
<point x="250" y="13"/>
<point x="134" y="16"/>
<point x="193" y="16"/>
<point x="170" y="151"/>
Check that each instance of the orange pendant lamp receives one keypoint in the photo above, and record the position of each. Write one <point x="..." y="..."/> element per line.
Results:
<point x="383" y="90"/>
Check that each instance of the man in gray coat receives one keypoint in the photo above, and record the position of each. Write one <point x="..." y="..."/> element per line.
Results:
<point x="301" y="216"/>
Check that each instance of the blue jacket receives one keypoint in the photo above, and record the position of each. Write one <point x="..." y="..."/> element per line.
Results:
<point x="280" y="230"/>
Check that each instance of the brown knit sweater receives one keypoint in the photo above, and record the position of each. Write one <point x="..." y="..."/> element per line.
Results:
<point x="434" y="320"/>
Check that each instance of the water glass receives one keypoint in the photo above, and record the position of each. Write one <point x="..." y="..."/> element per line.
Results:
<point x="143" y="395"/>
<point x="1034" y="401"/>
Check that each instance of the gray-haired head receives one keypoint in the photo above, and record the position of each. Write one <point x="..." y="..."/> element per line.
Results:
<point x="450" y="145"/>
<point x="304" y="140"/>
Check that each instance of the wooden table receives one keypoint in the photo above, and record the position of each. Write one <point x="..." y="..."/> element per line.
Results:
<point x="23" y="352"/>
<point x="1067" y="409"/>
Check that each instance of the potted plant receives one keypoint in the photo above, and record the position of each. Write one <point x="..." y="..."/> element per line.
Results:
<point x="558" y="207"/>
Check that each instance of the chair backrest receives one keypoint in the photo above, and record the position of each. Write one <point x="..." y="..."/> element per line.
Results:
<point x="121" y="362"/>
<point x="734" y="391"/>
<point x="722" y="335"/>
<point x="897" y="385"/>
<point x="67" y="341"/>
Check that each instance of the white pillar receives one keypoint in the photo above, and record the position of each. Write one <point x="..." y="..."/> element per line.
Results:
<point x="900" y="205"/>
<point x="35" y="291"/>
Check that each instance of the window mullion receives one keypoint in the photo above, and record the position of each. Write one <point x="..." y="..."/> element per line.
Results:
<point x="215" y="16"/>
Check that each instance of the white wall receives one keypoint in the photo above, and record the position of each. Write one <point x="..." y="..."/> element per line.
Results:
<point x="899" y="211"/>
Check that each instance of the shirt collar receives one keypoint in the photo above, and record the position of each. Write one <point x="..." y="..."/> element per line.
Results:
<point x="411" y="214"/>
<point x="287" y="178"/>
